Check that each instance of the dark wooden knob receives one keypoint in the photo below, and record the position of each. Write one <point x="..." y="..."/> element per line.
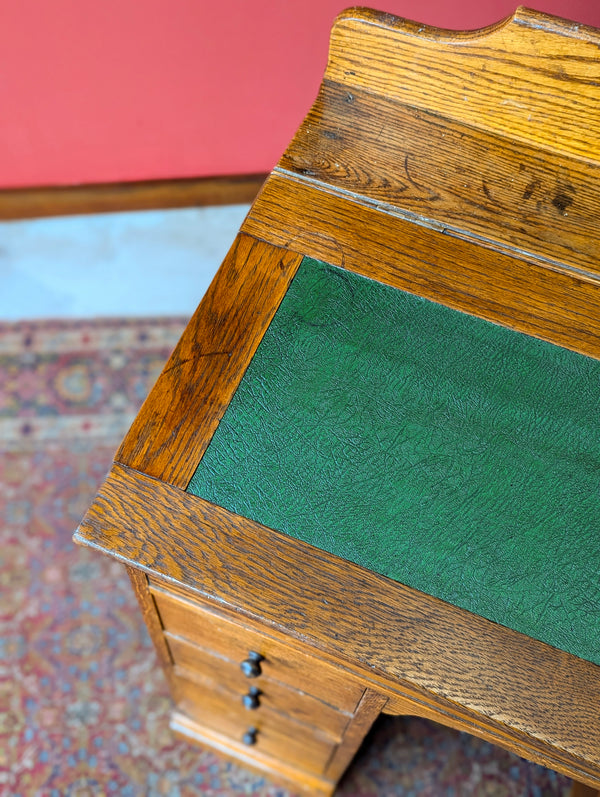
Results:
<point x="249" y="737"/>
<point x="251" y="700"/>
<point x="251" y="666"/>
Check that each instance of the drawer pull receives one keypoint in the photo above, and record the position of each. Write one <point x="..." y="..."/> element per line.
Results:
<point x="251" y="700"/>
<point x="249" y="737"/>
<point x="251" y="666"/>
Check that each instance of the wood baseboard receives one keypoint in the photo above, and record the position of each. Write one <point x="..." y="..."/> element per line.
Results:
<point x="24" y="203"/>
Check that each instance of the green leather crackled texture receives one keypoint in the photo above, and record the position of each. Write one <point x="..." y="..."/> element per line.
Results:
<point x="448" y="453"/>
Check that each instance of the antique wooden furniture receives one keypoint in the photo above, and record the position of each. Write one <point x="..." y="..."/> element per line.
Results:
<point x="367" y="479"/>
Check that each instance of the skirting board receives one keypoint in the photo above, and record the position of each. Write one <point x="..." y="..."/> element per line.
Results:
<point x="26" y="203"/>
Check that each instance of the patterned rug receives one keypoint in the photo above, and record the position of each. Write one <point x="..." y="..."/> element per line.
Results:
<point x="83" y="704"/>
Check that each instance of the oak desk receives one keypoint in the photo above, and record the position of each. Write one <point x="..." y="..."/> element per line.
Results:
<point x="367" y="479"/>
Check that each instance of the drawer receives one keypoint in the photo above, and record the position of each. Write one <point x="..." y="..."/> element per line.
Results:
<point x="234" y="641"/>
<point x="276" y="736"/>
<point x="273" y="695"/>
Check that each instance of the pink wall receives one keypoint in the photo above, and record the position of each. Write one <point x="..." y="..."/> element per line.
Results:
<point x="111" y="90"/>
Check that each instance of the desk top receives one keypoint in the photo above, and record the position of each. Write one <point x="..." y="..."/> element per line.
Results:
<point x="448" y="453"/>
<point x="461" y="169"/>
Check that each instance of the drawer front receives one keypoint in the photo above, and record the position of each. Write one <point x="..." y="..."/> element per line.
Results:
<point x="275" y="735"/>
<point x="234" y="642"/>
<point x="273" y="695"/>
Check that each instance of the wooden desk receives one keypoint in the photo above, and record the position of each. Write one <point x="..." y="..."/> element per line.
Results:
<point x="442" y="185"/>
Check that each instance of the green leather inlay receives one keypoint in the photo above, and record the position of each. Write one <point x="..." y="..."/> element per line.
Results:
<point x="443" y="451"/>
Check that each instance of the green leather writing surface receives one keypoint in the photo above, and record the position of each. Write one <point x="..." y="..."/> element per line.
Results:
<point x="443" y="451"/>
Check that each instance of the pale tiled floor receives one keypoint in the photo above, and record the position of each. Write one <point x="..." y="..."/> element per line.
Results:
<point x="144" y="263"/>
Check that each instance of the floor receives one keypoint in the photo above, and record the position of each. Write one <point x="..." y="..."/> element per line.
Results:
<point x="143" y="263"/>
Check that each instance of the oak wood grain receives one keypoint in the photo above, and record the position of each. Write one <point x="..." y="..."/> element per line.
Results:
<point x="177" y="421"/>
<point x="397" y="639"/>
<point x="503" y="737"/>
<point x="461" y="167"/>
<point x="552" y="304"/>
<point x="217" y="673"/>
<point x="277" y="768"/>
<point x="298" y="744"/>
<point x="38" y="201"/>
<point x="535" y="75"/>
<point x="404" y="699"/>
<point x="367" y="712"/>
<point x="402" y="159"/>
<point x="234" y="640"/>
<point x="581" y="790"/>
<point x="139" y="582"/>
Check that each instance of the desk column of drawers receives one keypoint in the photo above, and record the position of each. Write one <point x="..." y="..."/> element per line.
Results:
<point x="237" y="681"/>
